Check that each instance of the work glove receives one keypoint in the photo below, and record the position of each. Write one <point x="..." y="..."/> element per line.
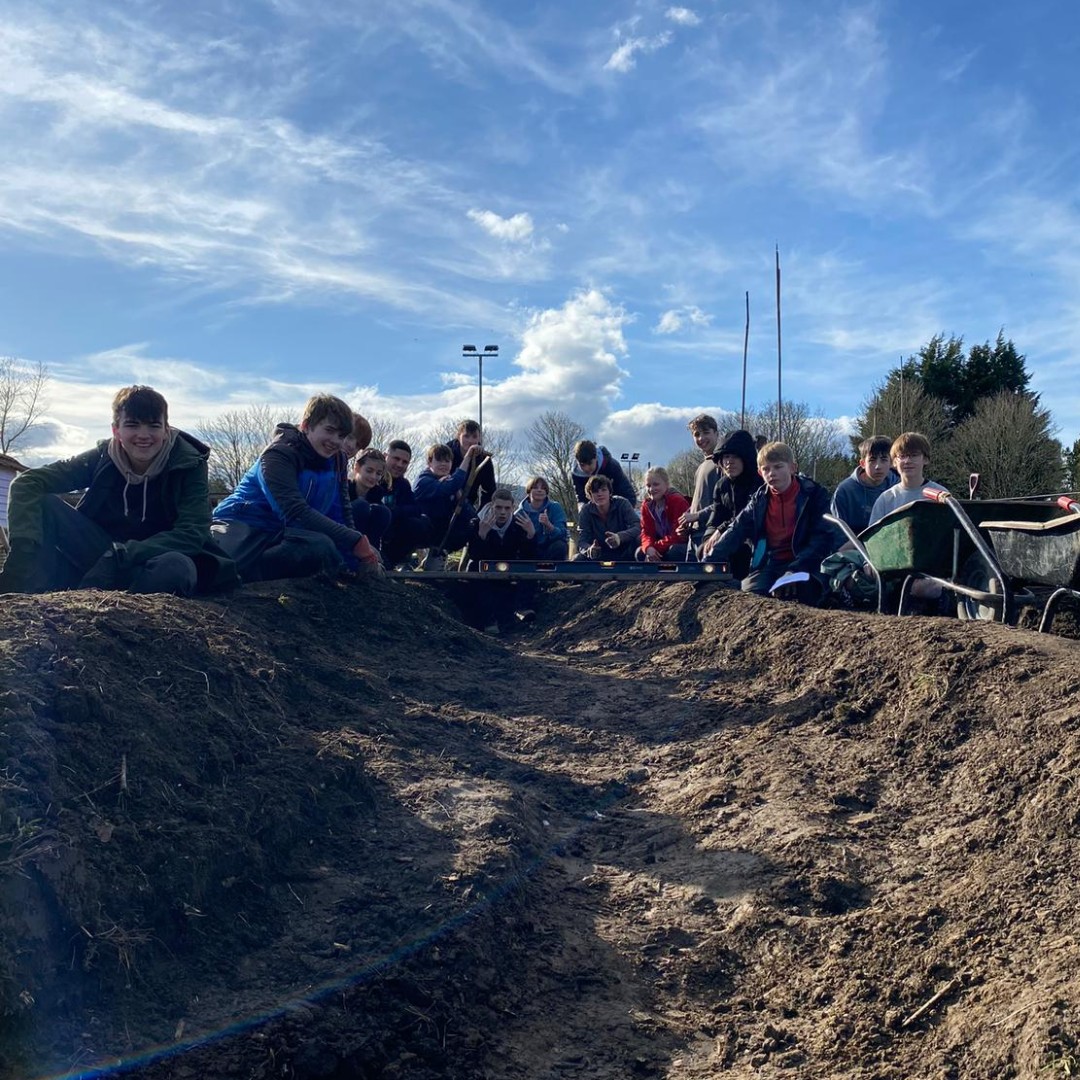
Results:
<point x="22" y="571"/>
<point x="111" y="571"/>
<point x="369" y="558"/>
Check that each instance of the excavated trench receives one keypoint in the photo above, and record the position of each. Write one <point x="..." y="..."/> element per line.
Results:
<point x="669" y="831"/>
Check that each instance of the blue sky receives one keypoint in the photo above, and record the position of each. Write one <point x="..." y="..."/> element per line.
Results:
<point x="250" y="202"/>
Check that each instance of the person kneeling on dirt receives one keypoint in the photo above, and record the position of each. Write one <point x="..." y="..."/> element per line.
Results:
<point x="910" y="454"/>
<point x="440" y="493"/>
<point x="500" y="535"/>
<point x="608" y="526"/>
<point x="548" y="518"/>
<point x="289" y="516"/>
<point x="737" y="458"/>
<point x="142" y="524"/>
<point x="662" y="537"/>
<point x="409" y="529"/>
<point x="366" y="495"/>
<point x="785" y="523"/>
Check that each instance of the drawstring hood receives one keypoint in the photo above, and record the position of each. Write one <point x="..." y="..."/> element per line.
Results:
<point x="119" y="457"/>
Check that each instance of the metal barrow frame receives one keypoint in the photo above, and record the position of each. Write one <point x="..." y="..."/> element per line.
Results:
<point x="1045" y="551"/>
<point x="929" y="540"/>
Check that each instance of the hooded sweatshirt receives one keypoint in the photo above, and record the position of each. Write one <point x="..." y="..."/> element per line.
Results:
<point x="853" y="501"/>
<point x="607" y="466"/>
<point x="731" y="496"/>
<point x="166" y="509"/>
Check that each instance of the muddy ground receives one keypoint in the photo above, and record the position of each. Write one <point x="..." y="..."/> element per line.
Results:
<point x="330" y="832"/>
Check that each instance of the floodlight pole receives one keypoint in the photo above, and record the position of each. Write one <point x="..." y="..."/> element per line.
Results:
<point x="471" y="352"/>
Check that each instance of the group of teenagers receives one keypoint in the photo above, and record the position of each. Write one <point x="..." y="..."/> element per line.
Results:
<point x="320" y="500"/>
<point x="752" y="510"/>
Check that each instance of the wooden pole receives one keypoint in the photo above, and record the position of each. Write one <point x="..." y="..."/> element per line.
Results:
<point x="902" y="428"/>
<point x="745" y="348"/>
<point x="779" y="359"/>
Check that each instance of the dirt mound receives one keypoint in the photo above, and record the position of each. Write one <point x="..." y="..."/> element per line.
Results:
<point x="321" y="833"/>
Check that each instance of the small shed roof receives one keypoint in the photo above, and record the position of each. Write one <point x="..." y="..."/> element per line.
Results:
<point x="9" y="463"/>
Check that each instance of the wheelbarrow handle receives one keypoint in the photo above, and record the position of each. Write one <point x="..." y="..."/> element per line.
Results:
<point x="1067" y="503"/>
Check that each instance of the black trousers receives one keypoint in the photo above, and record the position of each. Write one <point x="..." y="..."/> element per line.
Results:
<point x="73" y="544"/>
<point x="266" y="556"/>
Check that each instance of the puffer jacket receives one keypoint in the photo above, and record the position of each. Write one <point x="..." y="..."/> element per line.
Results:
<point x="293" y="486"/>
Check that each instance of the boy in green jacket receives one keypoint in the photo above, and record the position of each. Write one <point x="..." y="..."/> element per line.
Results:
<point x="143" y="520"/>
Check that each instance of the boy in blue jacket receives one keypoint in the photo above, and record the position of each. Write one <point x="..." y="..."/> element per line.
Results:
<point x="289" y="515"/>
<point x="548" y="518"/>
<point x="440" y="494"/>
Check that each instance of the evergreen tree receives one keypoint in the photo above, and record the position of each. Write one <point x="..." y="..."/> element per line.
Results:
<point x="943" y="371"/>
<point x="1071" y="461"/>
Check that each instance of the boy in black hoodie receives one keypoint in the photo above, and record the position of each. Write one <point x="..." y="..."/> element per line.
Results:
<point x="739" y="479"/>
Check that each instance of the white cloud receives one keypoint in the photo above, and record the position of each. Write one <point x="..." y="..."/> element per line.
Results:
<point x="568" y="359"/>
<point x="654" y="431"/>
<point x="457" y="378"/>
<point x="624" y="58"/>
<point x="516" y="229"/>
<point x="683" y="16"/>
<point x="673" y="320"/>
<point x="670" y="322"/>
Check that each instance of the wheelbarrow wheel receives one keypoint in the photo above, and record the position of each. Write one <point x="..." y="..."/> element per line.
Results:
<point x="975" y="574"/>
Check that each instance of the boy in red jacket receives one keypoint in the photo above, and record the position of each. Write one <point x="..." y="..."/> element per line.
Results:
<point x="661" y="538"/>
<point x="785" y="522"/>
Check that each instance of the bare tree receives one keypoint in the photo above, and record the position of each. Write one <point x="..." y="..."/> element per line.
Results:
<point x="815" y="440"/>
<point x="384" y="430"/>
<point x="1009" y="442"/>
<point x="895" y="407"/>
<point x="682" y="470"/>
<point x="236" y="439"/>
<point x="499" y="443"/>
<point x="549" y="442"/>
<point x="22" y="399"/>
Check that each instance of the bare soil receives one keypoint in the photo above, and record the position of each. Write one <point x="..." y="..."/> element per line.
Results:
<point x="320" y="833"/>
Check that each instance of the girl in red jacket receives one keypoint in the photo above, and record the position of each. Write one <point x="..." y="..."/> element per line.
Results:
<point x="661" y="540"/>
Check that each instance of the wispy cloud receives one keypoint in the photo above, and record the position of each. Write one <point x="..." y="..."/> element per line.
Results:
<point x="813" y="108"/>
<point x="624" y="58"/>
<point x="674" y="319"/>
<point x="516" y="229"/>
<point x="683" y="16"/>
